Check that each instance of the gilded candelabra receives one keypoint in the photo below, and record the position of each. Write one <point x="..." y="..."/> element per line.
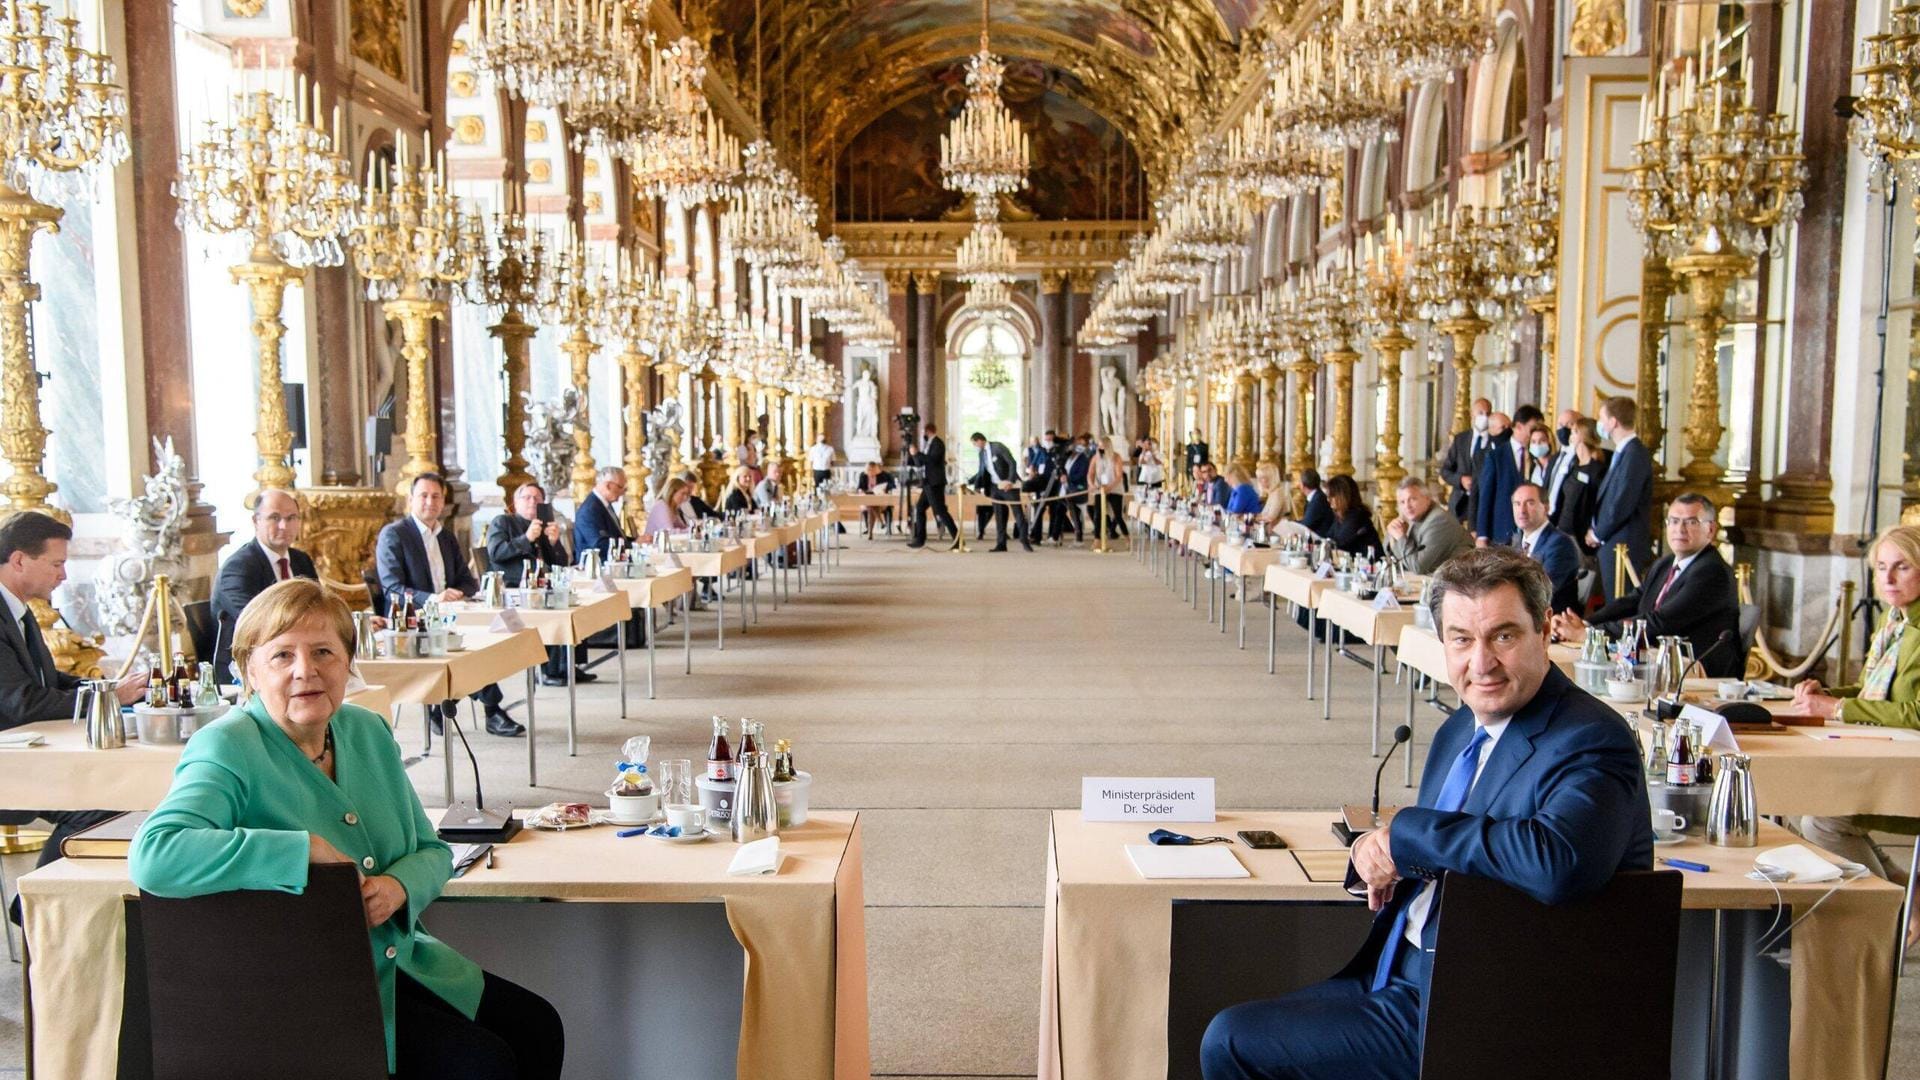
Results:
<point x="1886" y="111"/>
<point x="1386" y="312"/>
<point x="515" y="278"/>
<point x="1713" y="180"/>
<point x="633" y="311"/>
<point x="412" y="243"/>
<point x="1450" y="284"/>
<point x="1529" y="263"/>
<point x="1333" y="307"/>
<point x="578" y="302"/>
<point x="61" y="119"/>
<point x="272" y="173"/>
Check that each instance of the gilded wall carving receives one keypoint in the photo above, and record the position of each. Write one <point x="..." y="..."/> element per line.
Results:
<point x="378" y="35"/>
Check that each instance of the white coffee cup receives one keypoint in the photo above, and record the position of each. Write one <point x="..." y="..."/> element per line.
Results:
<point x="687" y="817"/>
<point x="1667" y="824"/>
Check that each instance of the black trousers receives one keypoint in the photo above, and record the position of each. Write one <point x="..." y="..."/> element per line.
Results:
<point x="821" y="476"/>
<point x="514" y="1035"/>
<point x="934" y="499"/>
<point x="1116" y="515"/>
<point x="1001" y="509"/>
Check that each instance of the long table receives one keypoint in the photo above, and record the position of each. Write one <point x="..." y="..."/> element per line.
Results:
<point x="64" y="773"/>
<point x="1374" y="627"/>
<point x="1111" y="953"/>
<point x="652" y="593"/>
<point x="719" y="565"/>
<point x="487" y="659"/>
<point x="1298" y="587"/>
<point x="569" y="915"/>
<point x="564" y="628"/>
<point x="1243" y="562"/>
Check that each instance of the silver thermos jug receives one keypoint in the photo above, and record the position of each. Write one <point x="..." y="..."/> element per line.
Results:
<point x="96" y="706"/>
<point x="753" y="811"/>
<point x="364" y="645"/>
<point x="590" y="563"/>
<point x="493" y="589"/>
<point x="1733" y="815"/>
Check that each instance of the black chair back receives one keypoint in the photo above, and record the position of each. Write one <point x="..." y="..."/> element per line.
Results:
<point x="201" y="628"/>
<point x="376" y="594"/>
<point x="247" y="984"/>
<point x="1576" y="991"/>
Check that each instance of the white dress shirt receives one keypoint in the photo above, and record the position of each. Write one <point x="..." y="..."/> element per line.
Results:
<point x="1529" y="539"/>
<point x="435" y="567"/>
<point x="820" y="457"/>
<point x="16" y="607"/>
<point x="1422" y="903"/>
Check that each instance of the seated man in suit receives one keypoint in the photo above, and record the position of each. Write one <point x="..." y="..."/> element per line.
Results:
<point x="1316" y="513"/>
<point x="1425" y="534"/>
<point x="267" y="559"/>
<point x="33" y="563"/>
<point x="1688" y="592"/>
<point x="998" y="478"/>
<point x="1554" y="550"/>
<point x="1531" y="783"/>
<point x="529" y="536"/>
<point x="595" y="522"/>
<point x="767" y="491"/>
<point x="421" y="560"/>
<point x="1209" y="485"/>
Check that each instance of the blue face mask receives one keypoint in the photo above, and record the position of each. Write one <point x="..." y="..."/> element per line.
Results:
<point x="1538" y="450"/>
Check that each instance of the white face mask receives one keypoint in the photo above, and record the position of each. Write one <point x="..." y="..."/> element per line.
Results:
<point x="1538" y="450"/>
<point x="1480" y="422"/>
<point x="1605" y="429"/>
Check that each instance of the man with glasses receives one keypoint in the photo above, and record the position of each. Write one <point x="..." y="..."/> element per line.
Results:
<point x="269" y="559"/>
<point x="1688" y="592"/>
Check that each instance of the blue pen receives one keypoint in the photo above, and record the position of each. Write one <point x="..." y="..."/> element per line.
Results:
<point x="631" y="832"/>
<point x="1682" y="864"/>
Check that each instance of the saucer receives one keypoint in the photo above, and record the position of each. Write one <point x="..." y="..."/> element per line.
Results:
<point x="1665" y="841"/>
<point x="683" y="838"/>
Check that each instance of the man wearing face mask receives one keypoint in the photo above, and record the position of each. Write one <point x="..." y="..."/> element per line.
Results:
<point x="1461" y="463"/>
<point x="1563" y="462"/>
<point x="1504" y="469"/>
<point x="1625" y="501"/>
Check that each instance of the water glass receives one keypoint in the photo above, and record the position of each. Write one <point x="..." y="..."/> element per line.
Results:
<point x="674" y="778"/>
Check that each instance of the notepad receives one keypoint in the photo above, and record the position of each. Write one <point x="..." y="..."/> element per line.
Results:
<point x="1324" y="866"/>
<point x="1198" y="861"/>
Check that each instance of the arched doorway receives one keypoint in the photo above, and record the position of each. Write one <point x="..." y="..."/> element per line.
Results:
<point x="988" y="361"/>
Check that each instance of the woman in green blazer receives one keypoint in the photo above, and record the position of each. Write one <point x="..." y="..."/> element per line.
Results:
<point x="294" y="777"/>
<point x="1888" y="694"/>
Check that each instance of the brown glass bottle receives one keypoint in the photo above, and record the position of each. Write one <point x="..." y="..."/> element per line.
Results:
<point x="719" y="753"/>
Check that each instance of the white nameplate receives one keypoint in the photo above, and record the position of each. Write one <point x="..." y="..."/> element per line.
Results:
<point x="1133" y="798"/>
<point x="1323" y="572"/>
<point x="508" y="621"/>
<point x="1384" y="600"/>
<point x="1714" y="731"/>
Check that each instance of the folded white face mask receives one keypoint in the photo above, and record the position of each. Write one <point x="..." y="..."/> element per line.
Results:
<point x="1799" y="863"/>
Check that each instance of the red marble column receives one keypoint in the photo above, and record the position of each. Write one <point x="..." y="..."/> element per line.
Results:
<point x="1050" y="408"/>
<point x="900" y="311"/>
<point x="926" y="312"/>
<point x="1080" y="404"/>
<point x="160" y="249"/>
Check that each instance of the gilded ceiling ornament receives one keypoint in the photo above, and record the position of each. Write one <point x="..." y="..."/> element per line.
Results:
<point x="469" y="130"/>
<point x="463" y="84"/>
<point x="590" y="168"/>
<point x="536" y="131"/>
<point x="243" y="9"/>
<point x="378" y="27"/>
<point x="539" y="171"/>
<point x="1599" y="27"/>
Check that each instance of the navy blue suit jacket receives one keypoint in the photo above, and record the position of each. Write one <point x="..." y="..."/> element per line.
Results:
<point x="1559" y="808"/>
<point x="1559" y="556"/>
<point x="1622" y="510"/>
<point x="1318" y="514"/>
<point x="1493" y="490"/>
<point x="401" y="556"/>
<point x="594" y="525"/>
<point x="1217" y="493"/>
<point x="247" y="573"/>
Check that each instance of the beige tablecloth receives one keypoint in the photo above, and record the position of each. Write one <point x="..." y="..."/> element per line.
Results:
<point x="65" y="774"/>
<point x="1246" y="561"/>
<point x="1296" y="586"/>
<point x="592" y="612"/>
<point x="803" y="1015"/>
<point x="1358" y="617"/>
<point x="657" y="591"/>
<point x="1105" y="963"/>
<point x="488" y="658"/>
<point x="713" y="564"/>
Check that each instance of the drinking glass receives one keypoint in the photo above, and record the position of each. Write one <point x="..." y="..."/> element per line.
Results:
<point x="675" y="780"/>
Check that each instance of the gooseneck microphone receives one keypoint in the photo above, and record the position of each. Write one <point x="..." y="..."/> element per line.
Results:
<point x="1701" y="660"/>
<point x="1401" y="734"/>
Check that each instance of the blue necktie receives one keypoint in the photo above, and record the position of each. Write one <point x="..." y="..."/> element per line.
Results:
<point x="1453" y="795"/>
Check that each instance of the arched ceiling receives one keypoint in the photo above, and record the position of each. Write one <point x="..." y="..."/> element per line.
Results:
<point x="1151" y="68"/>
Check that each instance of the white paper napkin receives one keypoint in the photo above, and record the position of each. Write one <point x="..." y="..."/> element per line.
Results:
<point x="759" y="857"/>
<point x="1802" y="864"/>
<point x="20" y="740"/>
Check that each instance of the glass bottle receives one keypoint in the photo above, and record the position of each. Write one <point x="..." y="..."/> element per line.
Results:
<point x="750" y="733"/>
<point x="1680" y="766"/>
<point x="719" y="753"/>
<point x="783" y="762"/>
<point x="1657" y="750"/>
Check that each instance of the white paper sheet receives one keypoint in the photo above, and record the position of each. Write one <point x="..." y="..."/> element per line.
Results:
<point x="1185" y="861"/>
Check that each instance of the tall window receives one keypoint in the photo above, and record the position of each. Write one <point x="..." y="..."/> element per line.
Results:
<point x="476" y="159"/>
<point x="990" y="354"/>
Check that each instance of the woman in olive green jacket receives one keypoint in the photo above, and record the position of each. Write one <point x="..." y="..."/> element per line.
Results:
<point x="1888" y="695"/>
<point x="294" y="777"/>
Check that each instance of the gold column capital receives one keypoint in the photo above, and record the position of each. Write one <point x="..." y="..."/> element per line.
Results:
<point x="1053" y="282"/>
<point x="927" y="282"/>
<point x="1081" y="280"/>
<point x="897" y="280"/>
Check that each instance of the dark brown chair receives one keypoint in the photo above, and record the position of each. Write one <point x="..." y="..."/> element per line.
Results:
<point x="1576" y="991"/>
<point x="242" y="985"/>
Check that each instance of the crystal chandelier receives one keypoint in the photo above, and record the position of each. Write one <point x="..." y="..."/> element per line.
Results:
<point x="555" y="53"/>
<point x="1330" y="100"/>
<point x="989" y="372"/>
<point x="1886" y="112"/>
<point x="1711" y="174"/>
<point x="273" y="173"/>
<point x="1419" y="40"/>
<point x="984" y="152"/>
<point x="653" y="95"/>
<point x="699" y="165"/>
<point x="64" y="116"/>
<point x="762" y="220"/>
<point x="1270" y="161"/>
<point x="986" y="255"/>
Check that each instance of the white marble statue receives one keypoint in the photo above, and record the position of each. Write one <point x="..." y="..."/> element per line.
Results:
<point x="550" y="447"/>
<point x="866" y="406"/>
<point x="663" y="442"/>
<point x="1113" y="403"/>
<point x="151" y="527"/>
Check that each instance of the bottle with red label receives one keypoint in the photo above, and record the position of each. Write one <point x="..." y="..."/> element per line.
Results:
<point x="719" y="753"/>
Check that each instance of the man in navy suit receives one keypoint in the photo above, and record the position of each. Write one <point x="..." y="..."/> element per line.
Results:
<point x="268" y="559"/>
<point x="1504" y="469"/>
<point x="1535" y="537"/>
<point x="1531" y="782"/>
<point x="420" y="560"/>
<point x="1624" y="506"/>
<point x="595" y="523"/>
<point x="1316" y="513"/>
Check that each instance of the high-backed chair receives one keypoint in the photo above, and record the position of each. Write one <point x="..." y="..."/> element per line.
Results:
<point x="1575" y="991"/>
<point x="242" y="985"/>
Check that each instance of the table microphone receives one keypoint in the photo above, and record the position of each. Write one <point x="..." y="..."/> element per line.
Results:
<point x="463" y="824"/>
<point x="1667" y="710"/>
<point x="1401" y="734"/>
